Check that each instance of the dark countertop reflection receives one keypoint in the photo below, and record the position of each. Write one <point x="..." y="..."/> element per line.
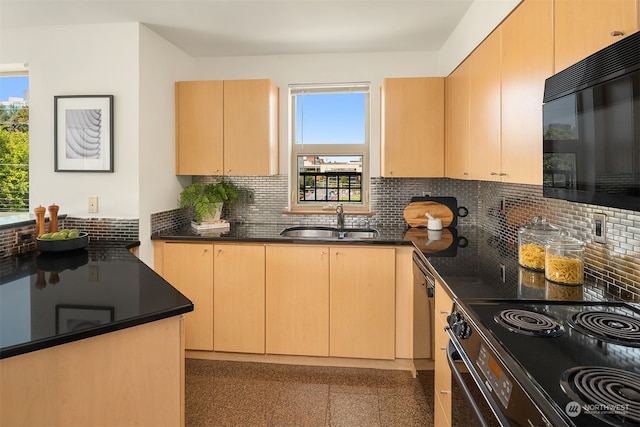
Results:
<point x="48" y="299"/>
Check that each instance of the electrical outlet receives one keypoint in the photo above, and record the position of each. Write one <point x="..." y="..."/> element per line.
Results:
<point x="600" y="228"/>
<point x="93" y="204"/>
<point x="251" y="197"/>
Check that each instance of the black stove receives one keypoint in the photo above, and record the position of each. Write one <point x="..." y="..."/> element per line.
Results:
<point x="552" y="363"/>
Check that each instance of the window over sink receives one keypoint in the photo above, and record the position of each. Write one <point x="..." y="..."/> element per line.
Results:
<point x="330" y="146"/>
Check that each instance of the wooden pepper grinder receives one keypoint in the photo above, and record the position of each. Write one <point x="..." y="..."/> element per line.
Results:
<point x="39" y="220"/>
<point x="53" y="218"/>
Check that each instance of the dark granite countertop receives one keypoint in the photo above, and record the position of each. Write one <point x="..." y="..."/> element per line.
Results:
<point x="48" y="299"/>
<point x="271" y="233"/>
<point x="472" y="262"/>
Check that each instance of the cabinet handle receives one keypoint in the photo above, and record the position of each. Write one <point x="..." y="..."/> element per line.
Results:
<point x="617" y="33"/>
<point x="444" y="312"/>
<point x="219" y="251"/>
<point x="493" y="173"/>
<point x="502" y="174"/>
<point x="444" y="392"/>
<point x="443" y="348"/>
<point x="228" y="170"/>
<point x="465" y="173"/>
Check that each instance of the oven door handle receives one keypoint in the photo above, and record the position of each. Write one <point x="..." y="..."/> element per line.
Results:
<point x="455" y="352"/>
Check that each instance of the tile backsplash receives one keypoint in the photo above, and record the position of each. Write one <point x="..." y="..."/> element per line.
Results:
<point x="20" y="240"/>
<point x="498" y="208"/>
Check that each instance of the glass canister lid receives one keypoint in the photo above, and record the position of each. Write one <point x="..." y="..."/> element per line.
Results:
<point x="564" y="240"/>
<point x="539" y="225"/>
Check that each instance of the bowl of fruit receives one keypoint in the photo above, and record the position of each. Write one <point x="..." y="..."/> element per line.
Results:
<point x="63" y="240"/>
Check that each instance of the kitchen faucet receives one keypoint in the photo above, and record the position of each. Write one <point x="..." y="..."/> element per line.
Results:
<point x="340" y="213"/>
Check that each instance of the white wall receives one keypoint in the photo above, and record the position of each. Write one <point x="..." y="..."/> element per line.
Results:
<point x="80" y="60"/>
<point x="322" y="68"/>
<point x="161" y="65"/>
<point x="480" y="20"/>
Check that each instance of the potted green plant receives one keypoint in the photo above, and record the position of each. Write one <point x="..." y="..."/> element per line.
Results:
<point x="208" y="200"/>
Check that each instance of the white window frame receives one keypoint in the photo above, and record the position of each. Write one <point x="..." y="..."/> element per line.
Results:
<point x="329" y="149"/>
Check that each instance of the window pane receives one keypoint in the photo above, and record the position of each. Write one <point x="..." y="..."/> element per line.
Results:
<point x="330" y="118"/>
<point x="14" y="144"/>
<point x="330" y="178"/>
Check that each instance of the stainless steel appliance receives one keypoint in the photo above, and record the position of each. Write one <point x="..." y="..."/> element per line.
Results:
<point x="591" y="133"/>
<point x="550" y="363"/>
<point x="423" y="319"/>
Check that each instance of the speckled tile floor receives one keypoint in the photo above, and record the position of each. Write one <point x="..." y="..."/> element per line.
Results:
<point x="219" y="393"/>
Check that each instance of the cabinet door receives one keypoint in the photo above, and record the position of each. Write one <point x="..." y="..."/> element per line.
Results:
<point x="484" y="109"/>
<point x="297" y="302"/>
<point x="583" y="27"/>
<point x="250" y="127"/>
<point x="413" y="127"/>
<point x="199" y="128"/>
<point x="527" y="60"/>
<point x="189" y="268"/>
<point x="362" y="302"/>
<point x="442" y="372"/>
<point x="457" y="123"/>
<point x="238" y="298"/>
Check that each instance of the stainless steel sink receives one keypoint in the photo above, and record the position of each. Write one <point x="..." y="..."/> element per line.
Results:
<point x="311" y="232"/>
<point x="316" y="232"/>
<point x="361" y="234"/>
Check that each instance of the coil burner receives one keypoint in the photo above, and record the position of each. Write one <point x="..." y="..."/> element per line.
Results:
<point x="607" y="326"/>
<point x="529" y="323"/>
<point x="609" y="394"/>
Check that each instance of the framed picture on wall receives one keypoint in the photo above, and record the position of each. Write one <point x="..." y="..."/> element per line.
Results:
<point x="83" y="133"/>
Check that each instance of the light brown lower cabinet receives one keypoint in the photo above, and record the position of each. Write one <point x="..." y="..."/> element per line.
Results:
<point x="442" y="375"/>
<point x="289" y="299"/>
<point x="189" y="269"/>
<point x="134" y="376"/>
<point x="362" y="302"/>
<point x="297" y="300"/>
<point x="239" y="298"/>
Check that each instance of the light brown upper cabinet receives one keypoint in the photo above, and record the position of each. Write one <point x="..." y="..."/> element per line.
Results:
<point x="484" y="109"/>
<point x="583" y="27"/>
<point x="227" y="127"/>
<point x="250" y="127"/>
<point x="457" y="123"/>
<point x="412" y="127"/>
<point x="199" y="128"/>
<point x="527" y="60"/>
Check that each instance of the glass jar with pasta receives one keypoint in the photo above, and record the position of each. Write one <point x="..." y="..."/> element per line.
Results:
<point x="564" y="260"/>
<point x="532" y="238"/>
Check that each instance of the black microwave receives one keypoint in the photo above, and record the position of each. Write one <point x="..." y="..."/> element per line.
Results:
<point x="591" y="129"/>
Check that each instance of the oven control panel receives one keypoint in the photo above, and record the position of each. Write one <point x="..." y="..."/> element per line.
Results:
<point x="496" y="379"/>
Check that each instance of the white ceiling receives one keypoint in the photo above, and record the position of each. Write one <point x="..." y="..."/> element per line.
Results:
<point x="207" y="28"/>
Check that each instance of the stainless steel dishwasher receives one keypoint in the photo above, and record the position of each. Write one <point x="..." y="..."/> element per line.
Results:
<point x="423" y="308"/>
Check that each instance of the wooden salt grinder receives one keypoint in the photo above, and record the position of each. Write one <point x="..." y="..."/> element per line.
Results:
<point x="39" y="220"/>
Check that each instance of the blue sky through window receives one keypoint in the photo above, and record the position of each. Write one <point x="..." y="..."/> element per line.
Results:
<point x="13" y="86"/>
<point x="336" y="118"/>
